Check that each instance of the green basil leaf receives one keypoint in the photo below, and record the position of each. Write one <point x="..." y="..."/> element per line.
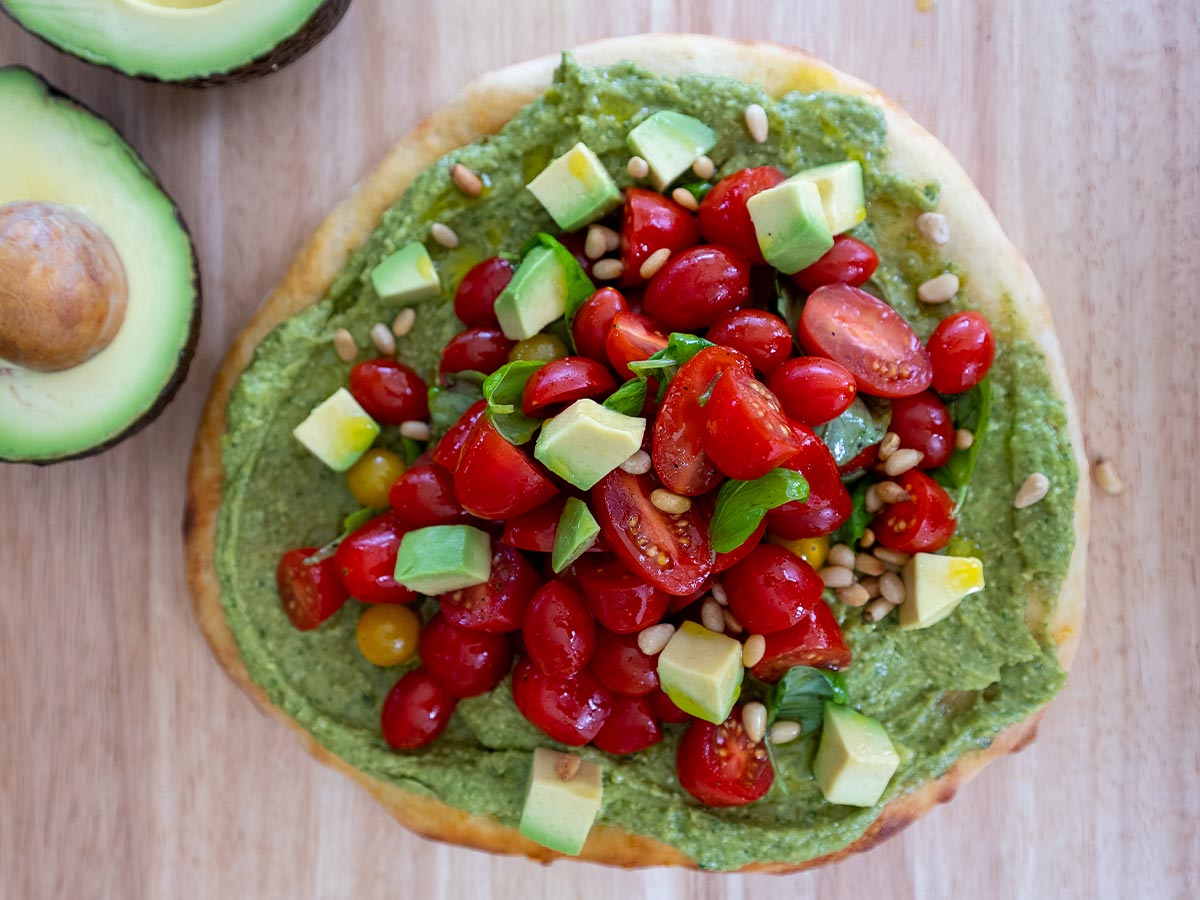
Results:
<point x="698" y="189"/>
<point x="629" y="398"/>
<point x="787" y="304"/>
<point x="350" y="524"/>
<point x="447" y="402"/>
<point x="666" y="362"/>
<point x="579" y="286"/>
<point x="503" y="390"/>
<point x="741" y="505"/>
<point x="854" y="431"/>
<point x="801" y="694"/>
<point x="851" y="531"/>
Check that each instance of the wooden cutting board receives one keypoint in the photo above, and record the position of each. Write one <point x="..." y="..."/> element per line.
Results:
<point x="131" y="767"/>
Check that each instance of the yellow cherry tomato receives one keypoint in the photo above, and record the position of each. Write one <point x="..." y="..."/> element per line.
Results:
<point x="371" y="478"/>
<point x="387" y="634"/>
<point x="539" y="348"/>
<point x="812" y="550"/>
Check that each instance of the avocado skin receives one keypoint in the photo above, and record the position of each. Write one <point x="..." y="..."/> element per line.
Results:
<point x="189" y="349"/>
<point x="323" y="20"/>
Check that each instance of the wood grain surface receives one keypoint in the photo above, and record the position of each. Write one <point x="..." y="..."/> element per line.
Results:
<point x="130" y="765"/>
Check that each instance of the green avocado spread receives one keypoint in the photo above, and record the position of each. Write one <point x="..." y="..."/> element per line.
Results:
<point x="940" y="692"/>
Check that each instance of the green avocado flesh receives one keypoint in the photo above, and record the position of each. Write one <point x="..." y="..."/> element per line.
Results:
<point x="55" y="151"/>
<point x="168" y="40"/>
<point x="939" y="692"/>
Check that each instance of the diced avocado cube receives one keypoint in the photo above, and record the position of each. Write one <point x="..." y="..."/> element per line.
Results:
<point x="789" y="222"/>
<point x="338" y="431"/>
<point x="855" y="759"/>
<point x="586" y="441"/>
<point x="575" y="189"/>
<point x="443" y="558"/>
<point x="670" y="142"/>
<point x="562" y="801"/>
<point x="935" y="585"/>
<point x="577" y="531"/>
<point x="701" y="671"/>
<point x="841" y="188"/>
<point x="536" y="296"/>
<point x="408" y="275"/>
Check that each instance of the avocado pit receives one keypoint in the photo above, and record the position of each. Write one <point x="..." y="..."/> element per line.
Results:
<point x="63" y="288"/>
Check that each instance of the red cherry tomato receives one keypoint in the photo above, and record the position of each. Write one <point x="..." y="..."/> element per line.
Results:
<point x="723" y="216"/>
<point x="477" y="350"/>
<point x="720" y="766"/>
<point x="631" y="337"/>
<point x="570" y="710"/>
<point x="622" y="601"/>
<point x="416" y="711"/>
<point x="763" y="337"/>
<point x="499" y="605"/>
<point x="672" y="552"/>
<point x="747" y="435"/>
<point x="424" y="496"/>
<point x="813" y="389"/>
<point x="678" y="449"/>
<point x="631" y="727"/>
<point x="697" y="287"/>
<point x="389" y="391"/>
<point x="495" y="480"/>
<point x="621" y="665"/>
<point x="816" y="640"/>
<point x="563" y="381"/>
<point x="475" y="299"/>
<point x="559" y="631"/>
<point x="652" y="222"/>
<point x="848" y="261"/>
<point x="772" y="589"/>
<point x="310" y="594"/>
<point x="963" y="349"/>
<point x="867" y="458"/>
<point x="449" y="448"/>
<point x="923" y="423"/>
<point x="828" y="504"/>
<point x="466" y="661"/>
<point x="594" y="319"/>
<point x="665" y="710"/>
<point x="868" y="337"/>
<point x="366" y="562"/>
<point x="924" y="523"/>
<point x="535" y="530"/>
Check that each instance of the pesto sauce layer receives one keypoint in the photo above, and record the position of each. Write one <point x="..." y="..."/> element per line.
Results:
<point x="940" y="692"/>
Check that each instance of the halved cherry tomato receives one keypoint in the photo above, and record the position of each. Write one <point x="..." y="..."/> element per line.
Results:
<point x="720" y="766"/>
<point x="963" y="349"/>
<point x="816" y="640"/>
<point x="723" y="216"/>
<point x="416" y="711"/>
<point x="868" y="337"/>
<point x="466" y="661"/>
<point x="424" y="496"/>
<point x="924" y="523"/>
<point x="746" y="433"/>
<point x="697" y="287"/>
<point x="671" y="552"/>
<point x="848" y="261"/>
<point x="652" y="222"/>
<point x="449" y="448"/>
<point x="923" y="423"/>
<point x="622" y="601"/>
<point x="310" y="594"/>
<point x="366" y="562"/>
<point x="621" y="665"/>
<point x="475" y="299"/>
<point x="495" y="480"/>
<point x="828" y="504"/>
<point x="499" y="605"/>
<point x="389" y="391"/>
<point x="813" y="389"/>
<point x="772" y="589"/>
<point x="570" y="710"/>
<point x="631" y="727"/>
<point x="559" y="631"/>
<point x="678" y="450"/>
<point x="665" y="710"/>
<point x="631" y="337"/>
<point x="477" y="350"/>
<point x="564" y="381"/>
<point x="593" y="320"/>
<point x="763" y="337"/>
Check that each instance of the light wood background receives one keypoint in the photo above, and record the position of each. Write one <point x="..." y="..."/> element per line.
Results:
<point x="131" y="767"/>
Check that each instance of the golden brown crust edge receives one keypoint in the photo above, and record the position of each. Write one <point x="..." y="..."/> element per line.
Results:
<point x="979" y="244"/>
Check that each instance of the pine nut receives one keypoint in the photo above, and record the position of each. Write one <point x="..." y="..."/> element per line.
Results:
<point x="939" y="289"/>
<point x="567" y="766"/>
<point x="672" y="504"/>
<point x="902" y="460"/>
<point x="654" y="262"/>
<point x="756" y="122"/>
<point x="711" y="616"/>
<point x="381" y="337"/>
<point x="754" y="720"/>
<point x="753" y="650"/>
<point x="872" y="586"/>
<point x="466" y="180"/>
<point x="1107" y="477"/>
<point x="837" y="576"/>
<point x="877" y="609"/>
<point x="637" y="464"/>
<point x="784" y="732"/>
<point x="891" y="588"/>
<point x="874" y="502"/>
<point x="652" y="640"/>
<point x="963" y="439"/>
<point x="933" y="227"/>
<point x="638" y="167"/>
<point x="416" y="430"/>
<point x="344" y="346"/>
<point x="718" y="592"/>
<point x="685" y="198"/>
<point x="594" y="245"/>
<point x="890" y="492"/>
<point x="704" y="168"/>
<point x="443" y="234"/>
<point x="841" y="555"/>
<point x="895" y="557"/>
<point x="868" y="564"/>
<point x="889" y="445"/>
<point x="868" y="539"/>
<point x="854" y="595"/>
<point x="405" y="319"/>
<point x="608" y="269"/>
<point x="612" y="240"/>
<point x="1036" y="487"/>
<point x="732" y="625"/>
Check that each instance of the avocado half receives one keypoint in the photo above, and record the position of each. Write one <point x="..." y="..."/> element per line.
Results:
<point x="99" y="289"/>
<point x="196" y="43"/>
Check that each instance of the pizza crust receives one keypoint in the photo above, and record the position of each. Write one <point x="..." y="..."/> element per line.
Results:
<point x="978" y="243"/>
